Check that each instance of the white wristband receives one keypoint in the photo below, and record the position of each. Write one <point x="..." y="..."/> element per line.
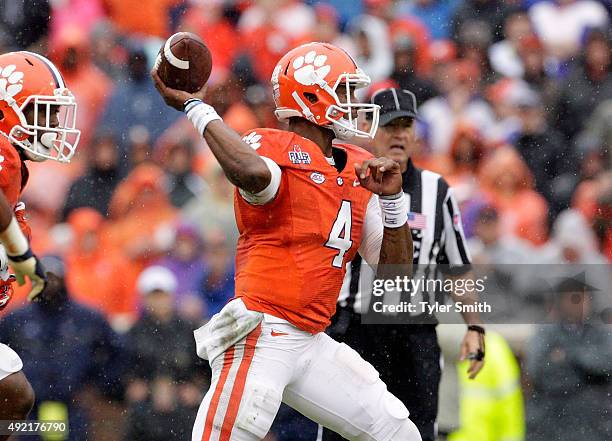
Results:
<point x="14" y="240"/>
<point x="394" y="211"/>
<point x="200" y="114"/>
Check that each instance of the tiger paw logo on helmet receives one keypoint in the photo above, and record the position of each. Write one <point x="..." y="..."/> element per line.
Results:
<point x="11" y="82"/>
<point x="309" y="67"/>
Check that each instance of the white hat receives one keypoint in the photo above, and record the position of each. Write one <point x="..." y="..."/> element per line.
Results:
<point x="156" y="278"/>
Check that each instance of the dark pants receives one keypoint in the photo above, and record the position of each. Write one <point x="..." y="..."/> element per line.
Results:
<point x="408" y="360"/>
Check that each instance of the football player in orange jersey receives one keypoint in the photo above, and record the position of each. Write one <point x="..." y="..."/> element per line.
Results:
<point x="304" y="206"/>
<point x="37" y="122"/>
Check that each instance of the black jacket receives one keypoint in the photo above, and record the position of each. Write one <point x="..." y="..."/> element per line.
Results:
<point x="163" y="349"/>
<point x="94" y="189"/>
<point x="578" y="98"/>
<point x="552" y="162"/>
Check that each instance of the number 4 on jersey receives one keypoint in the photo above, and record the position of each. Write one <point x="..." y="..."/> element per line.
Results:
<point x="340" y="234"/>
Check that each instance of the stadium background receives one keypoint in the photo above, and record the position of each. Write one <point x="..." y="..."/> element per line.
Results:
<point x="515" y="111"/>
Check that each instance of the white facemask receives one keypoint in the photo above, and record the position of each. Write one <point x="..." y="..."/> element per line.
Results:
<point x="56" y="143"/>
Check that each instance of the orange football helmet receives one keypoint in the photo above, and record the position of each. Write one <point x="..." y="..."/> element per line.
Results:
<point x="306" y="83"/>
<point x="29" y="79"/>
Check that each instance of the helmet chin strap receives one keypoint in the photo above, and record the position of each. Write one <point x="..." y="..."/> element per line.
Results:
<point x="33" y="156"/>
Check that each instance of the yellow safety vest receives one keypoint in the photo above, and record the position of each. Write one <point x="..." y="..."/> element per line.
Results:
<point x="491" y="405"/>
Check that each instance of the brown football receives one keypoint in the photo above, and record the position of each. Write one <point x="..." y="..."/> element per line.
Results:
<point x="184" y="62"/>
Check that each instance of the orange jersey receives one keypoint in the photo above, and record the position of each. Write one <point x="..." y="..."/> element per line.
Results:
<point x="292" y="251"/>
<point x="13" y="173"/>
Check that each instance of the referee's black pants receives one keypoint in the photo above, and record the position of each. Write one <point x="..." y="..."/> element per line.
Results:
<point x="408" y="360"/>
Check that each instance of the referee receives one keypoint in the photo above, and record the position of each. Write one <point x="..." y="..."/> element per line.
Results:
<point x="407" y="356"/>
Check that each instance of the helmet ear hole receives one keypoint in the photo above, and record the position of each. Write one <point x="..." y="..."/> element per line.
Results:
<point x="311" y="97"/>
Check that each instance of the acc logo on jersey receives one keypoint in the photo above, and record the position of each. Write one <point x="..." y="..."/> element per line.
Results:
<point x="297" y="156"/>
<point x="317" y="177"/>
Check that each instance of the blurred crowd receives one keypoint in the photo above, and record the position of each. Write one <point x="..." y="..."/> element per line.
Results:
<point x="515" y="110"/>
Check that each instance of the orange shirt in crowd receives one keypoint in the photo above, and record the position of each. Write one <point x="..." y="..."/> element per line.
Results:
<point x="139" y="211"/>
<point x="90" y="86"/>
<point x="97" y="275"/>
<point x="219" y="35"/>
<point x="525" y="214"/>
<point x="266" y="45"/>
<point x="508" y="183"/>
<point x="240" y="117"/>
<point x="460" y="166"/>
<point x="418" y="32"/>
<point x="148" y="17"/>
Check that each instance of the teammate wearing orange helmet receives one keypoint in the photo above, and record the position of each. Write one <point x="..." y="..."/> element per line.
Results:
<point x="304" y="206"/>
<point x="37" y="122"/>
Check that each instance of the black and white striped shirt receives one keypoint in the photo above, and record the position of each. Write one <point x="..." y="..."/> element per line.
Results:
<point x="437" y="234"/>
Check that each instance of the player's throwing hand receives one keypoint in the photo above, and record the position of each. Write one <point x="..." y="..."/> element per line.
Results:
<point x="382" y="176"/>
<point x="173" y="97"/>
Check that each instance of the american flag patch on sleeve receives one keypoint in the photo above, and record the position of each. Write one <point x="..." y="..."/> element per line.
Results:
<point x="417" y="221"/>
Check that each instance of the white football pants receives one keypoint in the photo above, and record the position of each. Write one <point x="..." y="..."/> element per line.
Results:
<point x="325" y="380"/>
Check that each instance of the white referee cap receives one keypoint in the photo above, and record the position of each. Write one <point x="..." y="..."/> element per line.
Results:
<point x="156" y="278"/>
